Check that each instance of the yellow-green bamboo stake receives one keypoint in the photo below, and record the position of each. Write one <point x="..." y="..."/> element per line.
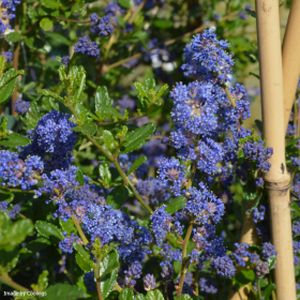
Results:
<point x="277" y="179"/>
<point x="291" y="58"/>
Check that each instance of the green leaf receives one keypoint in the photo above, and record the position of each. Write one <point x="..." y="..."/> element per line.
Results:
<point x="88" y="128"/>
<point x="42" y="283"/>
<point x="12" y="234"/>
<point x="125" y="3"/>
<point x="109" y="263"/>
<point x="83" y="258"/>
<point x="117" y="197"/>
<point x="67" y="226"/>
<point x="137" y="163"/>
<point x="176" y="204"/>
<point x="126" y="294"/>
<point x="64" y="291"/>
<point x="104" y="105"/>
<point x="163" y="23"/>
<point x="108" y="285"/>
<point x="47" y="230"/>
<point x="109" y="140"/>
<point x="14" y="140"/>
<point x="14" y="37"/>
<point x="52" y="4"/>
<point x="105" y="174"/>
<point x="46" y="24"/>
<point x="137" y="138"/>
<point x="245" y="276"/>
<point x="8" y="260"/>
<point x="154" y="295"/>
<point x="183" y="297"/>
<point x="7" y="83"/>
<point x="83" y="264"/>
<point x="150" y="95"/>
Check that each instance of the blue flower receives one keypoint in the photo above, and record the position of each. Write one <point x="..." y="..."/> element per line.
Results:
<point x="161" y="224"/>
<point x="206" y="57"/>
<point x="172" y="174"/>
<point x="149" y="282"/>
<point x="15" y="171"/>
<point x="224" y="266"/>
<point x="22" y="106"/>
<point x="53" y="140"/>
<point x="87" y="47"/>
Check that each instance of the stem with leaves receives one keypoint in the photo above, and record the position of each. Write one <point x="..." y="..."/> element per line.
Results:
<point x="123" y="175"/>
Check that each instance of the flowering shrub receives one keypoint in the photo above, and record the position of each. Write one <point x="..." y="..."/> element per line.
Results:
<point x="124" y="170"/>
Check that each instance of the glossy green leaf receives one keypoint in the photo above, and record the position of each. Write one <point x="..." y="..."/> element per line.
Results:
<point x="104" y="105"/>
<point x="176" y="204"/>
<point x="135" y="139"/>
<point x="46" y="24"/>
<point x="64" y="291"/>
<point x="14" y="140"/>
<point x="137" y="163"/>
<point x="7" y="83"/>
<point x="154" y="295"/>
<point x="126" y="294"/>
<point x="47" y="230"/>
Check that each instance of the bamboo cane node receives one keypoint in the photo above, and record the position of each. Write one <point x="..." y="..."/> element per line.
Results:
<point x="282" y="185"/>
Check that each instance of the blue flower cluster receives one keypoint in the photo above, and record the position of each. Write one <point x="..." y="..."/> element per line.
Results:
<point x="212" y="148"/>
<point x="87" y="47"/>
<point x="8" y="13"/>
<point x="98" y="220"/>
<point x="208" y="58"/>
<point x="53" y="140"/>
<point x="101" y="26"/>
<point x="16" y="172"/>
<point x="22" y="106"/>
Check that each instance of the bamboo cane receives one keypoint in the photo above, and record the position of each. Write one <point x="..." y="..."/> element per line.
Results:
<point x="291" y="58"/>
<point x="277" y="179"/>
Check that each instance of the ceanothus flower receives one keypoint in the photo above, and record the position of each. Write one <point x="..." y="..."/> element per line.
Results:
<point x="161" y="224"/>
<point x="203" y="206"/>
<point x="207" y="287"/>
<point x="132" y="273"/>
<point x="16" y="172"/>
<point x="53" y="140"/>
<point x="268" y="250"/>
<point x="195" y="107"/>
<point x="66" y="245"/>
<point x="149" y="282"/>
<point x="87" y="47"/>
<point x="206" y="57"/>
<point x="210" y="156"/>
<point x="224" y="266"/>
<point x="102" y="26"/>
<point x="257" y="153"/>
<point x="258" y="214"/>
<point x="22" y="106"/>
<point x="172" y="174"/>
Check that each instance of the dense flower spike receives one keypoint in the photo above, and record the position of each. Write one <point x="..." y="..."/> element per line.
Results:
<point x="16" y="172"/>
<point x="53" y="140"/>
<point x="172" y="173"/>
<point x="161" y="224"/>
<point x="149" y="282"/>
<point x="203" y="205"/>
<point x="87" y="47"/>
<point x="207" y="57"/>
<point x="224" y="266"/>
<point x="102" y="26"/>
